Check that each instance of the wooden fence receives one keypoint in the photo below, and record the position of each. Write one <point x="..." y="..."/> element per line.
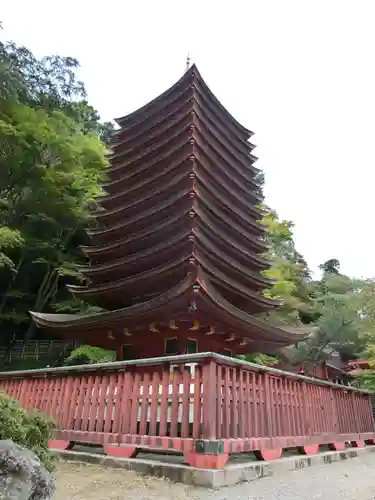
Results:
<point x="203" y="405"/>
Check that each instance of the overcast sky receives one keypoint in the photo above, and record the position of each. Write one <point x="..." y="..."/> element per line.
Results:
<point x="300" y="74"/>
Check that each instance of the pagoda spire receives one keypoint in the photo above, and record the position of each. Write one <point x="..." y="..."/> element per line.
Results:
<point x="188" y="62"/>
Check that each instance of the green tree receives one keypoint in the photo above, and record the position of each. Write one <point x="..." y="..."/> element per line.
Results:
<point x="86" y="354"/>
<point x="338" y="325"/>
<point x="292" y="282"/>
<point x="331" y="266"/>
<point x="51" y="163"/>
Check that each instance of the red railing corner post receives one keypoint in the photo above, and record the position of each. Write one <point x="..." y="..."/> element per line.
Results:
<point x="209" y="399"/>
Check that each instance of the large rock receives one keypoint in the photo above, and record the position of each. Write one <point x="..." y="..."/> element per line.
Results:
<point x="22" y="476"/>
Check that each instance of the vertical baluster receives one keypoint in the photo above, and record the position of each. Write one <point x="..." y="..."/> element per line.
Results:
<point x="198" y="401"/>
<point x="153" y="417"/>
<point x="144" y="404"/>
<point x="164" y="402"/>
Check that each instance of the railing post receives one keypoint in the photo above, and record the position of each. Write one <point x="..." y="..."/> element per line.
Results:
<point x="209" y="400"/>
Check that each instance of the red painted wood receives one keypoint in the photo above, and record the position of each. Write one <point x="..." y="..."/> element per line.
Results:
<point x="87" y="403"/>
<point x="102" y="403"/>
<point x="198" y="401"/>
<point x="72" y="404"/>
<point x="268" y="455"/>
<point x="241" y="405"/>
<point x="33" y="394"/>
<point x="232" y="404"/>
<point x="301" y="409"/>
<point x="121" y="451"/>
<point x="185" y="403"/>
<point x="93" y="416"/>
<point x="175" y="406"/>
<point x="311" y="449"/>
<point x="268" y="406"/>
<point x="209" y="400"/>
<point x="55" y="397"/>
<point x="154" y="403"/>
<point x="206" y="461"/>
<point x="123" y="411"/>
<point x="113" y="421"/>
<point x="255" y="426"/>
<point x="145" y="385"/>
<point x="164" y="402"/>
<point x="135" y="400"/>
<point x="109" y="414"/>
<point x="219" y="404"/>
<point x="65" y="401"/>
<point x="262" y="398"/>
<point x="58" y="444"/>
<point x="226" y="404"/>
<point x="248" y="405"/>
<point x="81" y="393"/>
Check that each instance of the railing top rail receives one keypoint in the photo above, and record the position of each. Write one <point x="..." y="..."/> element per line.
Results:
<point x="171" y="360"/>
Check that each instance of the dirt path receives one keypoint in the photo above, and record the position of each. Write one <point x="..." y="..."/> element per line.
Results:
<point x="92" y="482"/>
<point x="349" y="480"/>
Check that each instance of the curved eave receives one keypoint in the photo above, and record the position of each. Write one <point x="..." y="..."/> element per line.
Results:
<point x="176" y="102"/>
<point x="240" y="319"/>
<point x="167" y="205"/>
<point x="143" y="110"/>
<point x="187" y="77"/>
<point x="224" y="147"/>
<point x="226" y="225"/>
<point x="179" y="157"/>
<point x="95" y="251"/>
<point x="179" y="120"/>
<point x="142" y="279"/>
<point x="202" y="154"/>
<point x="222" y="189"/>
<point x="162" y="248"/>
<point x="107" y="318"/>
<point x="174" y="183"/>
<point x="145" y="159"/>
<point x="236" y="123"/>
<point x="216" y="253"/>
<point x="218" y="277"/>
<point x="222" y="205"/>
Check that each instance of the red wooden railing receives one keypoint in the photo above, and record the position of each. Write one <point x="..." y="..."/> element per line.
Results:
<point x="204" y="405"/>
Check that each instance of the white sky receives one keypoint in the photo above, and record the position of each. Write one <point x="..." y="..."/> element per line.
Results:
<point x="300" y="74"/>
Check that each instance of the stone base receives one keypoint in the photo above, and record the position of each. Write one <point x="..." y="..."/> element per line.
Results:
<point x="215" y="478"/>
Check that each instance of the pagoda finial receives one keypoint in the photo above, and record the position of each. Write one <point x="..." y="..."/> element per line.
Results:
<point x="188" y="61"/>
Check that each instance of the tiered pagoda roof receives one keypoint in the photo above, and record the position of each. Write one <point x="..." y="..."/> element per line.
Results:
<point x="178" y="236"/>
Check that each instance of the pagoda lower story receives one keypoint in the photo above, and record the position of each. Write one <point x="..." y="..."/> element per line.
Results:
<point x="151" y="330"/>
<point x="177" y="260"/>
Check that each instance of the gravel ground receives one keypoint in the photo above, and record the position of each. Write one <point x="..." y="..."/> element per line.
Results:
<point x="349" y="480"/>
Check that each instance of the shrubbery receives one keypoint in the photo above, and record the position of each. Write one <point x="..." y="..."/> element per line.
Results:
<point x="30" y="429"/>
<point x="87" y="354"/>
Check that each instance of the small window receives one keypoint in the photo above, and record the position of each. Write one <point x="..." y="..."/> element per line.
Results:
<point x="227" y="352"/>
<point x="127" y="352"/>
<point x="171" y="346"/>
<point x="191" y="346"/>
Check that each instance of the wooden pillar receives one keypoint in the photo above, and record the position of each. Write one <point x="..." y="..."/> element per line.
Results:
<point x="119" y="352"/>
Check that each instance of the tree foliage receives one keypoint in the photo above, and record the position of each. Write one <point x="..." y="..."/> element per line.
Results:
<point x="51" y="163"/>
<point x="337" y="308"/>
<point x="86" y="355"/>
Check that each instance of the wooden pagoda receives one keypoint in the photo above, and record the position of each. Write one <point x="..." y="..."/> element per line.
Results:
<point x="177" y="255"/>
